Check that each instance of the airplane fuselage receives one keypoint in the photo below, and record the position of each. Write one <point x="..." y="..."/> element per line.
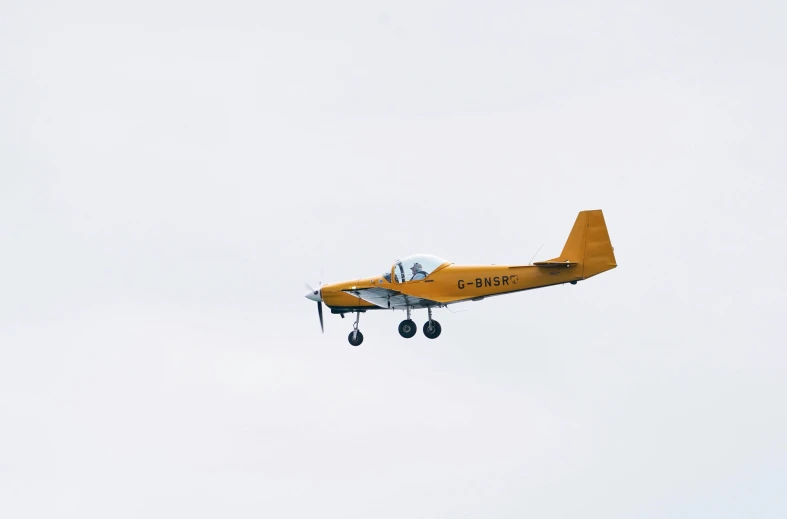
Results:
<point x="452" y="283"/>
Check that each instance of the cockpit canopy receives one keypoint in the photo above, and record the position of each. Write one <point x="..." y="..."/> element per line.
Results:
<point x="415" y="267"/>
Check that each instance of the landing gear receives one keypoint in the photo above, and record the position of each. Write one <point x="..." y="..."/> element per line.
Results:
<point x="356" y="337"/>
<point x="407" y="328"/>
<point x="432" y="328"/>
<point x="357" y="340"/>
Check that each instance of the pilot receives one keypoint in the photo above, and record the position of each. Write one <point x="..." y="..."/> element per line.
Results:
<point x="418" y="272"/>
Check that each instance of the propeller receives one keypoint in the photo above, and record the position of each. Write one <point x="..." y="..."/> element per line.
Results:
<point x="319" y="311"/>
<point x="315" y="295"/>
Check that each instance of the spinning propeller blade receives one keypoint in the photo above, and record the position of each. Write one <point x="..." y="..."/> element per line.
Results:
<point x="315" y="295"/>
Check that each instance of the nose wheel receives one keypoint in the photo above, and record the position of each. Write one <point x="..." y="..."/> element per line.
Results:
<point x="356" y="337"/>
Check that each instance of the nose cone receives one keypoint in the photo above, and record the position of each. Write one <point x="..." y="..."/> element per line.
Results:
<point x="314" y="295"/>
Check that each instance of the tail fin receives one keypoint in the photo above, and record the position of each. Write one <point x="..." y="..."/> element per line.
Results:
<point x="589" y="245"/>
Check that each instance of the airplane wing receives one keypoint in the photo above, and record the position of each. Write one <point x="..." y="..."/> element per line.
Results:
<point x="387" y="298"/>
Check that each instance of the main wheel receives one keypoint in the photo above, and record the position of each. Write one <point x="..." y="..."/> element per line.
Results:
<point x="358" y="340"/>
<point x="407" y="328"/>
<point x="433" y="331"/>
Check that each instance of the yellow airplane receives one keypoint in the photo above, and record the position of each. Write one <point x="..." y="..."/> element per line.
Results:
<point x="426" y="281"/>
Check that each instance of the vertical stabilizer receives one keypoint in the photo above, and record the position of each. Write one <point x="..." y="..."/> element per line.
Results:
<point x="589" y="245"/>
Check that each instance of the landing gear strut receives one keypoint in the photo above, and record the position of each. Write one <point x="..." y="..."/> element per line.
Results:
<point x="432" y="328"/>
<point x="407" y="328"/>
<point x="356" y="337"/>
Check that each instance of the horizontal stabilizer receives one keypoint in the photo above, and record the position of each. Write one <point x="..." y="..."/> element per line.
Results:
<point x="555" y="264"/>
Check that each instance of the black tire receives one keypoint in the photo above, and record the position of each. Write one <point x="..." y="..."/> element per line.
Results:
<point x="358" y="340"/>
<point x="407" y="328"/>
<point x="432" y="332"/>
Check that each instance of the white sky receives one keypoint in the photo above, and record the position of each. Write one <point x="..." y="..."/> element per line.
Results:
<point x="172" y="173"/>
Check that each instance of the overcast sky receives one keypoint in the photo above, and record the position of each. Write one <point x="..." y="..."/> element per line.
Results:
<point x="172" y="173"/>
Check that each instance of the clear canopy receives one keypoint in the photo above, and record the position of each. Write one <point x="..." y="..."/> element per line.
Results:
<point x="415" y="267"/>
